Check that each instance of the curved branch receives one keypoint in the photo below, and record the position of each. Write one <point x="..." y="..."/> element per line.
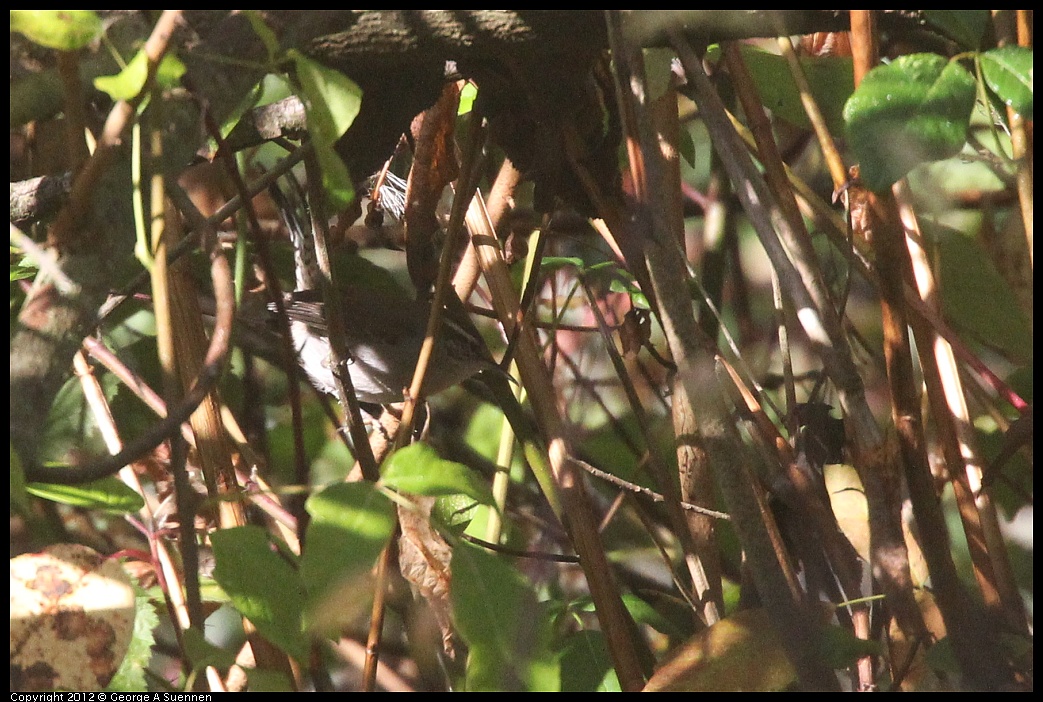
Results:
<point x="213" y="364"/>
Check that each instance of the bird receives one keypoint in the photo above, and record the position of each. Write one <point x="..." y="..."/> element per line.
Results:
<point x="384" y="330"/>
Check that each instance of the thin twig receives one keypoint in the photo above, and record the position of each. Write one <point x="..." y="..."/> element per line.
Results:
<point x="564" y="485"/>
<point x="340" y="357"/>
<point x="70" y="218"/>
<point x="213" y="365"/>
<point x="647" y="492"/>
<point x="655" y="223"/>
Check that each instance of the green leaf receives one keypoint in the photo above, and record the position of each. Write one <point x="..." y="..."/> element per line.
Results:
<point x="331" y="102"/>
<point x="468" y="94"/>
<point x="126" y="84"/>
<point x="19" y="500"/>
<point x="22" y="272"/>
<point x="1008" y="73"/>
<point x="130" y="676"/>
<point x="913" y="110"/>
<point x="315" y="440"/>
<point x="264" y="680"/>
<point x="201" y="653"/>
<point x="455" y="512"/>
<point x="550" y="264"/>
<point x="336" y="180"/>
<point x="72" y="429"/>
<point x="109" y="494"/>
<point x="976" y="298"/>
<point x="57" y="29"/>
<point x="264" y="33"/>
<point x="506" y="628"/>
<point x="419" y="470"/>
<point x="248" y="102"/>
<point x="22" y="266"/>
<point x="1017" y="467"/>
<point x="965" y="26"/>
<point x="350" y="525"/>
<point x="942" y="658"/>
<point x="644" y="613"/>
<point x="686" y="146"/>
<point x="483" y="432"/>
<point x="586" y="665"/>
<point x="658" y="71"/>
<point x="830" y="77"/>
<point x="638" y="298"/>
<point x="271" y="88"/>
<point x="135" y="327"/>
<point x="262" y="586"/>
<point x="840" y="647"/>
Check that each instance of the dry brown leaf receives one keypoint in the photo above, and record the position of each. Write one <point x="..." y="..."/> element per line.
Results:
<point x="424" y="558"/>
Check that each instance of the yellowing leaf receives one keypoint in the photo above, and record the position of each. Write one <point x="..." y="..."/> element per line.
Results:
<point x="741" y="653"/>
<point x="57" y="29"/>
<point x="128" y="83"/>
<point x="849" y="505"/>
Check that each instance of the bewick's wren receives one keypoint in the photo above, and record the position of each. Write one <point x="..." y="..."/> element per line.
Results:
<point x="384" y="331"/>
